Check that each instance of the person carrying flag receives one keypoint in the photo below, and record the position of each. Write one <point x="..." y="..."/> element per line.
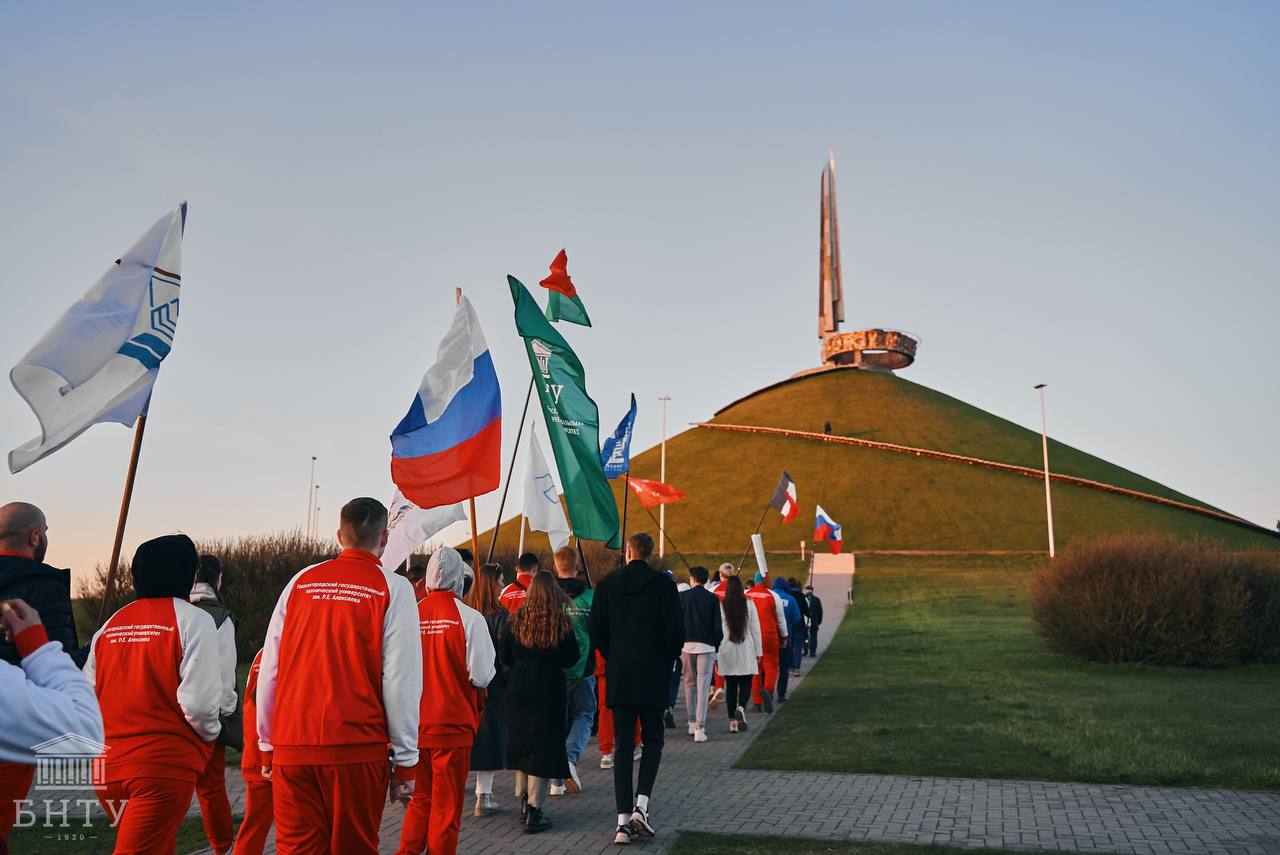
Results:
<point x="513" y="595"/>
<point x="773" y="635"/>
<point x="341" y="679"/>
<point x="458" y="661"/>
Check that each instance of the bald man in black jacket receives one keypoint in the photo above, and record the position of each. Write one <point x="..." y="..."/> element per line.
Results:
<point x="24" y="539"/>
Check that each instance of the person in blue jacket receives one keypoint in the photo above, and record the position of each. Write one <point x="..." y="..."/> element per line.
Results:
<point x="791" y="610"/>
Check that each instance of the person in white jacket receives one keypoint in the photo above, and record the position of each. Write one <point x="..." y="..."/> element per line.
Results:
<point x="739" y="654"/>
<point x="44" y="699"/>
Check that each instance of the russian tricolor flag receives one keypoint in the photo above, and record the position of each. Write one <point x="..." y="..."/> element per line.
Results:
<point x="449" y="446"/>
<point x="825" y="528"/>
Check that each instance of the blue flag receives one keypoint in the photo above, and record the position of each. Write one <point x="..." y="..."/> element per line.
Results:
<point x="616" y="454"/>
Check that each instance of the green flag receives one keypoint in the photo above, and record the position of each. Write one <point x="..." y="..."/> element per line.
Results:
<point x="570" y="309"/>
<point x="573" y="422"/>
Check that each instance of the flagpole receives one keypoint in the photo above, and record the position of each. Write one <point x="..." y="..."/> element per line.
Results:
<point x="663" y="532"/>
<point x="108" y="591"/>
<point x="510" y="470"/>
<point x="582" y="556"/>
<point x="520" y="546"/>
<point x="310" y="490"/>
<point x="626" y="494"/>
<point x="757" y="531"/>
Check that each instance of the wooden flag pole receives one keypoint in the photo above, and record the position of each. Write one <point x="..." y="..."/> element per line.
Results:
<point x="109" y="590"/>
<point x="475" y="545"/>
<point x="510" y="470"/>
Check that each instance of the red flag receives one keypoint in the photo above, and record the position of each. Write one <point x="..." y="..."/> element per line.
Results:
<point x="654" y="493"/>
<point x="559" y="280"/>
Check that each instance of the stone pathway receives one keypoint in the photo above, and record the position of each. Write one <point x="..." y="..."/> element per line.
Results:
<point x="698" y="791"/>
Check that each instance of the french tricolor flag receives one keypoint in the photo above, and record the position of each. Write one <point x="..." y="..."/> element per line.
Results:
<point x="825" y="528"/>
<point x="448" y="447"/>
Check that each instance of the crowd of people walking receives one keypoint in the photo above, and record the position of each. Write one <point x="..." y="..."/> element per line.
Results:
<point x="373" y="686"/>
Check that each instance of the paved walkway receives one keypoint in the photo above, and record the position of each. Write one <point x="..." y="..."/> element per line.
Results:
<point x="698" y="791"/>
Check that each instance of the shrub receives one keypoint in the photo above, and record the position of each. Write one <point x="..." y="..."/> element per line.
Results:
<point x="1159" y="600"/>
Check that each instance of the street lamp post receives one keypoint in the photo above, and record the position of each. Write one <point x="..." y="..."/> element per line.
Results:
<point x="662" y="509"/>
<point x="1044" y="444"/>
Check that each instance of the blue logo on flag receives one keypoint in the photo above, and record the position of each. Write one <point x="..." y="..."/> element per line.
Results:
<point x="616" y="454"/>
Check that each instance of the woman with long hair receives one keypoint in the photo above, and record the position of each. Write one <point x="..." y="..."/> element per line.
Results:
<point x="537" y="644"/>
<point x="739" y="654"/>
<point x="489" y="751"/>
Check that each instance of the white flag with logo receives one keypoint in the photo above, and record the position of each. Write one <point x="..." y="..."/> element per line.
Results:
<point x="98" y="361"/>
<point x="409" y="526"/>
<point x="541" y="498"/>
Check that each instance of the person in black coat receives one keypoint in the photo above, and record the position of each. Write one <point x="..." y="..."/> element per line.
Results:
<point x="537" y="644"/>
<point x="24" y="576"/>
<point x="637" y="625"/>
<point x="815" y="618"/>
<point x="489" y="751"/>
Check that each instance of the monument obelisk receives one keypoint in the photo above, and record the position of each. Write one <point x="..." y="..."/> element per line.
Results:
<point x="879" y="348"/>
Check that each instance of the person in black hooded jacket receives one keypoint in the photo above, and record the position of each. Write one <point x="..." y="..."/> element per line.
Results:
<point x="24" y="576"/>
<point x="636" y="624"/>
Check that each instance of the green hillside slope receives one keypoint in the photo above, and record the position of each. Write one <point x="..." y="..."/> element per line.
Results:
<point x="893" y="501"/>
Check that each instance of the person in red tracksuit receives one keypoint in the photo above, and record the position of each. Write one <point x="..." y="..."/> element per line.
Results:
<point x="258" y="813"/>
<point x="155" y="667"/>
<point x="513" y="596"/>
<point x="604" y="734"/>
<point x="458" y="660"/>
<point x="773" y="636"/>
<point x="340" y="679"/>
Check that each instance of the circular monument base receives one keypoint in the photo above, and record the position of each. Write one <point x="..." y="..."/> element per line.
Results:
<point x="877" y="349"/>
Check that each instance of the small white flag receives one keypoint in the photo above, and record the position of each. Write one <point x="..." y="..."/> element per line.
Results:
<point x="410" y="526"/>
<point x="542" y="499"/>
<point x="98" y="362"/>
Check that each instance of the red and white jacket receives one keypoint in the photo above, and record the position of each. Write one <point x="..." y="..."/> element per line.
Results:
<point x="457" y="660"/>
<point x="251" y="757"/>
<point x="513" y="596"/>
<point x="156" y="670"/>
<point x="772" y="612"/>
<point x="341" y="668"/>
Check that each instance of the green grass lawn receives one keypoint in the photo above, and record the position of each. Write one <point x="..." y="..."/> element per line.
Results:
<point x="693" y="843"/>
<point x="937" y="671"/>
<point x="96" y="840"/>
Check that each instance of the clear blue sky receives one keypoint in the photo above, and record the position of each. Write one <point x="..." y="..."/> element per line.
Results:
<point x="1082" y="194"/>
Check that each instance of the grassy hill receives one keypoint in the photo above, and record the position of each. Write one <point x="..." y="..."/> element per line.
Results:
<point x="888" y="501"/>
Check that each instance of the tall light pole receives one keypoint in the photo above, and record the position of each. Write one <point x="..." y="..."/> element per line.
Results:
<point x="311" y="488"/>
<point x="662" y="509"/>
<point x="1044" y="444"/>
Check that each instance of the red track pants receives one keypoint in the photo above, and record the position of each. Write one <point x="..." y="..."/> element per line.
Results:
<point x="15" y="781"/>
<point x="767" y="674"/>
<point x="329" y="809"/>
<point x="605" y="733"/>
<point x="215" y="809"/>
<point x="434" y="815"/>
<point x="258" y="816"/>
<point x="150" y="810"/>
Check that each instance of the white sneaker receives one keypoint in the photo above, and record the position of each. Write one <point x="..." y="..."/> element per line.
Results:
<point x="573" y="783"/>
<point x="717" y="698"/>
<point x="638" y="754"/>
<point x="556" y="789"/>
<point x="623" y="836"/>
<point x="693" y="728"/>
<point x="606" y="761"/>
<point x="640" y="823"/>
<point x="700" y="735"/>
<point x="733" y="725"/>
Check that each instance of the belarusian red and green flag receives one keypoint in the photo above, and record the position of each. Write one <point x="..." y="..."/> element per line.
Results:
<point x="563" y="303"/>
<point x="572" y="419"/>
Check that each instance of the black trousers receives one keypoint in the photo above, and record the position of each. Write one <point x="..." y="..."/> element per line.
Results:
<point x="784" y="669"/>
<point x="811" y="641"/>
<point x="737" y="693"/>
<point x="652" y="735"/>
